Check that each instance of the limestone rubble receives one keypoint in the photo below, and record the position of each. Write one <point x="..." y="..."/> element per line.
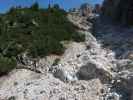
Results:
<point x="97" y="69"/>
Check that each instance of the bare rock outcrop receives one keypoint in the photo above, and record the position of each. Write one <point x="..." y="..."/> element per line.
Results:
<point x="92" y="71"/>
<point x="86" y="9"/>
<point x="30" y="85"/>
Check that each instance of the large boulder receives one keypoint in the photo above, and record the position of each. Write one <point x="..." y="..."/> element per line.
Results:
<point x="91" y="71"/>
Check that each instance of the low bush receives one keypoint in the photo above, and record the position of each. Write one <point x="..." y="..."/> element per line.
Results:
<point x="56" y="62"/>
<point x="78" y="37"/>
<point x="45" y="46"/>
<point x="6" y="65"/>
<point x="38" y="31"/>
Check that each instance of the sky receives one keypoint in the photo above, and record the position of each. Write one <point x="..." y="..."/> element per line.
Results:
<point x="66" y="4"/>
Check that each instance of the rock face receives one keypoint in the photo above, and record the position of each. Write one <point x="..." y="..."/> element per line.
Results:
<point x="86" y="9"/>
<point x="119" y="10"/>
<point x="97" y="9"/>
<point x="119" y="39"/>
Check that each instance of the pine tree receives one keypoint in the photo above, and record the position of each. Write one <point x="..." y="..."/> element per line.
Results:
<point x="35" y="6"/>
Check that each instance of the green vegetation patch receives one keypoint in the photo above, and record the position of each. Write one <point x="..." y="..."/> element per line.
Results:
<point x="38" y="31"/>
<point x="6" y="65"/>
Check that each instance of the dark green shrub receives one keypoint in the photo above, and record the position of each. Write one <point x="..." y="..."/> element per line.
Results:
<point x="39" y="31"/>
<point x="56" y="6"/>
<point x="6" y="64"/>
<point x="78" y="37"/>
<point x="12" y="98"/>
<point x="45" y="46"/>
<point x="35" y="6"/>
<point x="56" y="62"/>
<point x="11" y="49"/>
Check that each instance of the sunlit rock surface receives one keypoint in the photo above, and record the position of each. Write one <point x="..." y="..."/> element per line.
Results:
<point x="98" y="69"/>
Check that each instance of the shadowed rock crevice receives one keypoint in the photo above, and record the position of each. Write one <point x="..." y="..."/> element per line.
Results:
<point x="119" y="10"/>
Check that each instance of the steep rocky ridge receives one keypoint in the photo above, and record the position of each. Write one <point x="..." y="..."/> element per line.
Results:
<point x="98" y="69"/>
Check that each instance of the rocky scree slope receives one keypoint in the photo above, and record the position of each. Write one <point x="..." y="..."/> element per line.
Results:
<point x="86" y="71"/>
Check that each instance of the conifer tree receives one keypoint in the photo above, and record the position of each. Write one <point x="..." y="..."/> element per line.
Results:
<point x="35" y="6"/>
